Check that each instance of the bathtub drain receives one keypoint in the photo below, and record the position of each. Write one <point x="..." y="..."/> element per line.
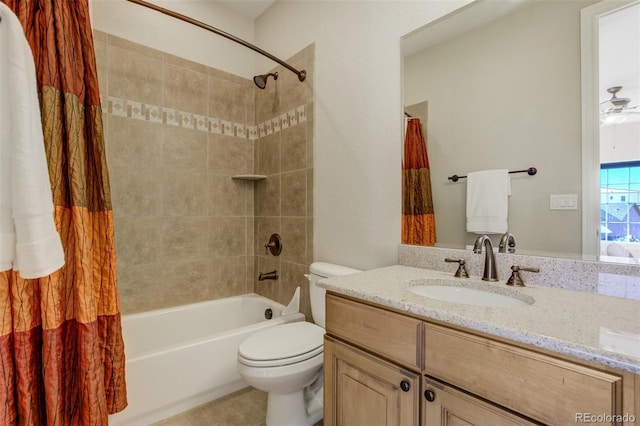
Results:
<point x="268" y="313"/>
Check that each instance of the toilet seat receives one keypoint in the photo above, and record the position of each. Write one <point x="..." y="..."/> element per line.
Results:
<point x="282" y="345"/>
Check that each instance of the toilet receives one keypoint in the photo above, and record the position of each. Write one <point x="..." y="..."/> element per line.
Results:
<point x="286" y="361"/>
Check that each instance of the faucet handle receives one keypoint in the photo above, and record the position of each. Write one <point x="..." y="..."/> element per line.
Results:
<point x="515" y="279"/>
<point x="274" y="245"/>
<point x="462" y="269"/>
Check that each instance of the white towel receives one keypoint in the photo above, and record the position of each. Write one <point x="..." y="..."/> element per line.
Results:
<point x="29" y="241"/>
<point x="488" y="201"/>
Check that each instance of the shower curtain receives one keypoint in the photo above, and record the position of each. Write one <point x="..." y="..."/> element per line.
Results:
<point x="418" y="220"/>
<point x="61" y="347"/>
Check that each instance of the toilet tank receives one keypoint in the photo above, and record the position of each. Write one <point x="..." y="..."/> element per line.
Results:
<point x="318" y="271"/>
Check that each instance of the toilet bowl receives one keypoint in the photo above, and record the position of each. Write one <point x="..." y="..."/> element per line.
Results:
<point x="286" y="361"/>
<point x="283" y="362"/>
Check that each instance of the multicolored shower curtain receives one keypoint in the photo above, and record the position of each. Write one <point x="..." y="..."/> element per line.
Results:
<point x="61" y="347"/>
<point x="418" y="219"/>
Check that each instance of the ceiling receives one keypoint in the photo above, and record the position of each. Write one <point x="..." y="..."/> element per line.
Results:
<point x="620" y="53"/>
<point x="248" y="8"/>
<point x="473" y="15"/>
<point x="620" y="33"/>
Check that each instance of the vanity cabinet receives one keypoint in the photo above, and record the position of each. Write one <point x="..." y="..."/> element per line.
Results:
<point x="375" y="378"/>
<point x="445" y="405"/>
<point x="377" y="360"/>
<point x="390" y="335"/>
<point x="539" y="386"/>
<point x="367" y="390"/>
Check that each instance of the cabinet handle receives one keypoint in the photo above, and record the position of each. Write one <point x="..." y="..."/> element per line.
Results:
<point x="429" y="395"/>
<point x="405" y="386"/>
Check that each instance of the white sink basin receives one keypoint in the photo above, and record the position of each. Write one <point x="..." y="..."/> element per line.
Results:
<point x="471" y="296"/>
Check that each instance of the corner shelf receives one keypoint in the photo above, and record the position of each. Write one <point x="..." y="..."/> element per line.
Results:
<point x="249" y="177"/>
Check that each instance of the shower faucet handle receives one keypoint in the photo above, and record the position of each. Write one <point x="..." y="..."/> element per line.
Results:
<point x="462" y="269"/>
<point x="274" y="245"/>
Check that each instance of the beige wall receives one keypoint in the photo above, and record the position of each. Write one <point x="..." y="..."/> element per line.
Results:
<point x="176" y="133"/>
<point x="357" y="116"/>
<point x="153" y="29"/>
<point x="507" y="95"/>
<point x="357" y="104"/>
<point x="284" y="200"/>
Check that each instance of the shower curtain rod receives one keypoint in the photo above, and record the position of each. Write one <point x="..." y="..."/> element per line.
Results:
<point x="302" y="74"/>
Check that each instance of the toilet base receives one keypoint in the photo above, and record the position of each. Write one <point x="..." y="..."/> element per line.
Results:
<point x="290" y="410"/>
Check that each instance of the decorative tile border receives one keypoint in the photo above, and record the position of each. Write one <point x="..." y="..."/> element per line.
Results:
<point x="156" y="114"/>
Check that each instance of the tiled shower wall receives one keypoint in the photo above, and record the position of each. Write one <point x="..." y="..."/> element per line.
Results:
<point x="176" y="131"/>
<point x="284" y="200"/>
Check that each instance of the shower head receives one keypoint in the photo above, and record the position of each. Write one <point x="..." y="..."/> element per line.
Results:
<point x="261" y="80"/>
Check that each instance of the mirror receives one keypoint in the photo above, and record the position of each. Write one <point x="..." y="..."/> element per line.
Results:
<point x="497" y="85"/>
<point x="610" y="153"/>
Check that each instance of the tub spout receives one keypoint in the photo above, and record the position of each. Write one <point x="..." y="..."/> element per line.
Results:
<point x="273" y="275"/>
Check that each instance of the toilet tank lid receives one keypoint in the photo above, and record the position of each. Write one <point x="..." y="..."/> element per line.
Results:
<point x="330" y="270"/>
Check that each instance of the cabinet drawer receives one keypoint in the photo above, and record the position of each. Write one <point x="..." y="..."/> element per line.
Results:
<point x="388" y="334"/>
<point x="445" y="405"/>
<point x="539" y="386"/>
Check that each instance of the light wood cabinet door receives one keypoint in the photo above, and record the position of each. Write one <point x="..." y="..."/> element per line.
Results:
<point x="361" y="389"/>
<point x="443" y="405"/>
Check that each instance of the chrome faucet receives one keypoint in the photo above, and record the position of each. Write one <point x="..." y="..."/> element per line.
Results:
<point x="490" y="273"/>
<point x="507" y="243"/>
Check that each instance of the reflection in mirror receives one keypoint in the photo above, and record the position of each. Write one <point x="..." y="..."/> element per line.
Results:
<point x="503" y="89"/>
<point x="619" y="131"/>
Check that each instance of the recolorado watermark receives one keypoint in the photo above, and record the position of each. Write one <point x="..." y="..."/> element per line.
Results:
<point x="604" y="418"/>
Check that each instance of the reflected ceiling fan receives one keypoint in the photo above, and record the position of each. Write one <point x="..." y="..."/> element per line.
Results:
<point x="616" y="110"/>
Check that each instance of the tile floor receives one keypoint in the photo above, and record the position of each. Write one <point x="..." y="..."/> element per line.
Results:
<point x="246" y="407"/>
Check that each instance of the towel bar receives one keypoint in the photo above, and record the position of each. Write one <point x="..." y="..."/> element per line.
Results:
<point x="530" y="171"/>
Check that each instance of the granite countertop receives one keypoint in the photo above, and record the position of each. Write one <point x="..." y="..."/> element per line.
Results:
<point x="597" y="328"/>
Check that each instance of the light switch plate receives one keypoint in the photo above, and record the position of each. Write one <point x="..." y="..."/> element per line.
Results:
<point x="563" y="202"/>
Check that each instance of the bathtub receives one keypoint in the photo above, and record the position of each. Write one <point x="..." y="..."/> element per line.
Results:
<point x="178" y="358"/>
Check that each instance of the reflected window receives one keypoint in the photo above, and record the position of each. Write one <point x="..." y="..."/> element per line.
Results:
<point x="620" y="202"/>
